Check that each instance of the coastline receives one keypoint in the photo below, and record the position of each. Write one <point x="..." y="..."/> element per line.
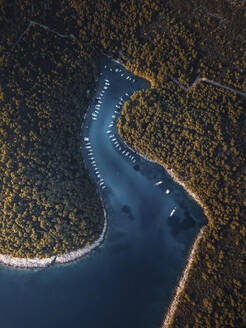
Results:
<point x="36" y="263"/>
<point x="185" y="274"/>
<point x="181" y="284"/>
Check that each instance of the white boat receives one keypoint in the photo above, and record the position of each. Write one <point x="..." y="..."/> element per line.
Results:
<point x="158" y="183"/>
<point x="173" y="211"/>
<point x="168" y="191"/>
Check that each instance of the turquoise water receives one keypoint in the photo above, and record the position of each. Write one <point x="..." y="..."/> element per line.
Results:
<point x="128" y="282"/>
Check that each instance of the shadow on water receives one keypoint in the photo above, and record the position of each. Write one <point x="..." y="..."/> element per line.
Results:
<point x="128" y="282"/>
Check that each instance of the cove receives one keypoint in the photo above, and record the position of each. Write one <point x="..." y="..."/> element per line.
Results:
<point x="130" y="279"/>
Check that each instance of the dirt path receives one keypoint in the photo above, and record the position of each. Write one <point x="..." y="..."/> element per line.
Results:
<point x="204" y="79"/>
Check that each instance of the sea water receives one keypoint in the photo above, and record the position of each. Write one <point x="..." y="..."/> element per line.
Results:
<point x="130" y="279"/>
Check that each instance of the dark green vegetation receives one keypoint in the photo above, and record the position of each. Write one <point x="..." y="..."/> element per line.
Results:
<point x="48" y="203"/>
<point x="199" y="134"/>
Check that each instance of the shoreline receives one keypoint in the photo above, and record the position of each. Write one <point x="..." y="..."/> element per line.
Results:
<point x="36" y="263"/>
<point x="185" y="273"/>
<point x="182" y="281"/>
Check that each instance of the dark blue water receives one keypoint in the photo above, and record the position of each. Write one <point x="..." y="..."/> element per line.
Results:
<point x="128" y="282"/>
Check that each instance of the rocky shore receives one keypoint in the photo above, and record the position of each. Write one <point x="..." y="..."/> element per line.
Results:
<point x="36" y="263"/>
<point x="181" y="284"/>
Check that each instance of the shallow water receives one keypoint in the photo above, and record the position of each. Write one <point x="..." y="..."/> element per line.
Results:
<point x="128" y="282"/>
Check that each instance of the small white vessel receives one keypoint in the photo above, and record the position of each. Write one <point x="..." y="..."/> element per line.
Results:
<point x="173" y="211"/>
<point x="158" y="183"/>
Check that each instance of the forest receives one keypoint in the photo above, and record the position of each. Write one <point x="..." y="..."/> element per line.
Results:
<point x="49" y="205"/>
<point x="47" y="198"/>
